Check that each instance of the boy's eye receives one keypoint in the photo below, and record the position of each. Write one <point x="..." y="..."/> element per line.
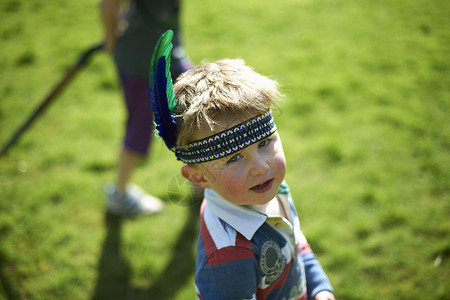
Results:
<point x="234" y="158"/>
<point x="263" y="143"/>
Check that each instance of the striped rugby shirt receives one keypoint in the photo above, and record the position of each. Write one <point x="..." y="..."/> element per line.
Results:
<point x="244" y="254"/>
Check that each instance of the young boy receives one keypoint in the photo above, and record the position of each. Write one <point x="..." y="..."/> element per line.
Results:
<point x="250" y="244"/>
<point x="217" y="119"/>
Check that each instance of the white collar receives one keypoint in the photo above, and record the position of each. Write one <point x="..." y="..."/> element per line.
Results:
<point x="242" y="219"/>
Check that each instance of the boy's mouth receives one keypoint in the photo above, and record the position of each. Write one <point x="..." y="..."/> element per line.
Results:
<point x="263" y="187"/>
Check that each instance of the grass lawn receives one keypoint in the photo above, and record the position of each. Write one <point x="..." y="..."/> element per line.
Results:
<point x="365" y="128"/>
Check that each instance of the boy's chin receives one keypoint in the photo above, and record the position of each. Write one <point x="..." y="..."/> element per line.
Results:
<point x="267" y="197"/>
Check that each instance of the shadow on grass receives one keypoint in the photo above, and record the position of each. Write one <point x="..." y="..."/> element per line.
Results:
<point x="114" y="270"/>
<point x="7" y="286"/>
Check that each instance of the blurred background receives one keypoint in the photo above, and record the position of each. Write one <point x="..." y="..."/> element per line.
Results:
<point x="365" y="129"/>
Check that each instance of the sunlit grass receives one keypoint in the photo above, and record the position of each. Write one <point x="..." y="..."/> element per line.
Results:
<point x="364" y="128"/>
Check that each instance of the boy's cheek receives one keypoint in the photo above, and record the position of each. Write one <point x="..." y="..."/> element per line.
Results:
<point x="279" y="163"/>
<point x="212" y="170"/>
<point x="229" y="184"/>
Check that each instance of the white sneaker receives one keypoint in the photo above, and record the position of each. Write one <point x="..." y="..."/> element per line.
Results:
<point x="133" y="202"/>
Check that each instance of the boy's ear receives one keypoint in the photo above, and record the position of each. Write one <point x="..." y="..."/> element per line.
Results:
<point x="195" y="176"/>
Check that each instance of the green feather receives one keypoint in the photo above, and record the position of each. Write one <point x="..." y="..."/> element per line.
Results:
<point x="164" y="48"/>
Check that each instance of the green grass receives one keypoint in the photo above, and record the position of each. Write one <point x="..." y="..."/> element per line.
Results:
<point x="364" y="126"/>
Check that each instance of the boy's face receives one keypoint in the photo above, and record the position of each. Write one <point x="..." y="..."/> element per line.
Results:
<point x="250" y="176"/>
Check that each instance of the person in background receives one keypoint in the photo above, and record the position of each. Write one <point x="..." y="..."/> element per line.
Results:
<point x="132" y="29"/>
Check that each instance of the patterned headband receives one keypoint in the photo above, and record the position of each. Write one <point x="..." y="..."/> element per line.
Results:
<point x="162" y="99"/>
<point x="228" y="141"/>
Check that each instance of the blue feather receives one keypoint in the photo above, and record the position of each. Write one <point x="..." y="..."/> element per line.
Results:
<point x="161" y="91"/>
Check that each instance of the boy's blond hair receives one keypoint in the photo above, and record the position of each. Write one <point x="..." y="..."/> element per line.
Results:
<point x="220" y="90"/>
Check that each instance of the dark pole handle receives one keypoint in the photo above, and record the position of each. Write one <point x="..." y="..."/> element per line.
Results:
<point x="82" y="61"/>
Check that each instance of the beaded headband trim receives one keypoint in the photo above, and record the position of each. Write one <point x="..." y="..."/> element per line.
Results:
<point x="228" y="141"/>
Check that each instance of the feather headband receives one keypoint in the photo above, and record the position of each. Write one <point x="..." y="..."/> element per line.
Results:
<point x="162" y="98"/>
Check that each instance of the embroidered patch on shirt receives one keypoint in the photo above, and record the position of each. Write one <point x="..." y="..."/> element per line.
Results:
<point x="272" y="261"/>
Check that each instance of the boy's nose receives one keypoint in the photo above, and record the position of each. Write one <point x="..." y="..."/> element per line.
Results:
<point x="259" y="165"/>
